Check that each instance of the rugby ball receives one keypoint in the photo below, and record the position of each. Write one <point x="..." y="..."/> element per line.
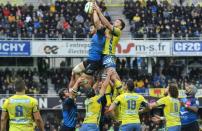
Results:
<point x="89" y="8"/>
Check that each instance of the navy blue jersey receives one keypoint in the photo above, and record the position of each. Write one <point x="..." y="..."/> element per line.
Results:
<point x="69" y="112"/>
<point x="188" y="116"/>
<point x="97" y="44"/>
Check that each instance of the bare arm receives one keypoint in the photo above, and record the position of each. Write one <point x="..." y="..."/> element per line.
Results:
<point x="112" y="107"/>
<point x="4" y="118"/>
<point x="192" y="108"/>
<point x="96" y="20"/>
<point x="106" y="82"/>
<point x="38" y="120"/>
<point x="153" y="105"/>
<point x="75" y="87"/>
<point x="104" y="21"/>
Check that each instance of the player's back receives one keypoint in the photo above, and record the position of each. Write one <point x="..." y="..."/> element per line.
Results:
<point x="96" y="47"/>
<point x="129" y="104"/>
<point x="20" y="109"/>
<point x="171" y="110"/>
<point x="93" y="109"/>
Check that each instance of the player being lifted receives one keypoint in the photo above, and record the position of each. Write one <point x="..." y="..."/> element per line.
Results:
<point x="93" y="62"/>
<point x="113" y="34"/>
<point x="21" y="111"/>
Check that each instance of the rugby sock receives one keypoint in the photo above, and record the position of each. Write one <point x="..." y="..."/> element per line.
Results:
<point x="117" y="84"/>
<point x="108" y="95"/>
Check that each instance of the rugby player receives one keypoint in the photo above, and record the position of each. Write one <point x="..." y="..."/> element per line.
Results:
<point x="171" y="108"/>
<point x="21" y="110"/>
<point x="113" y="34"/>
<point x="129" y="104"/>
<point x="189" y="110"/>
<point x="93" y="105"/>
<point x="69" y="107"/>
<point x="93" y="62"/>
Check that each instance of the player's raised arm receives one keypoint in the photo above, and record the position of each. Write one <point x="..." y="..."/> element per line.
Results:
<point x="106" y="82"/>
<point x="104" y="21"/>
<point x="96" y="20"/>
<point x="76" y="86"/>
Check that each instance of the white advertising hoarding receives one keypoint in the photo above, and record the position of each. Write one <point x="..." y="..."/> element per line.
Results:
<point x="60" y="48"/>
<point x="141" y="48"/>
<point x="130" y="48"/>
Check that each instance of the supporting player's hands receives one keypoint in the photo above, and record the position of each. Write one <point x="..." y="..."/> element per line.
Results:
<point x="110" y="72"/>
<point x="156" y="119"/>
<point x="80" y="80"/>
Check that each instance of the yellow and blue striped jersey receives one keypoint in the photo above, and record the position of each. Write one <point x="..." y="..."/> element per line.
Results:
<point x="112" y="39"/>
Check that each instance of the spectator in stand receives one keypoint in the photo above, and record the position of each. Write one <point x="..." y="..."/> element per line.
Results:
<point x="163" y="19"/>
<point x="34" y="84"/>
<point x="46" y="21"/>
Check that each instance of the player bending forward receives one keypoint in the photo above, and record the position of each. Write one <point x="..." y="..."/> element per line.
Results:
<point x="93" y="105"/>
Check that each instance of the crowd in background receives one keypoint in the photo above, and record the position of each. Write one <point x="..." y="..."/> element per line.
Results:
<point x="162" y="72"/>
<point x="64" y="19"/>
<point x="60" y="78"/>
<point x="35" y="83"/>
<point x="163" y="20"/>
<point x="67" y="19"/>
<point x="39" y="82"/>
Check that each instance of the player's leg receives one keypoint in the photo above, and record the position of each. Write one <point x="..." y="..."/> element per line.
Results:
<point x="109" y="64"/>
<point x="76" y="72"/>
<point x="91" y="67"/>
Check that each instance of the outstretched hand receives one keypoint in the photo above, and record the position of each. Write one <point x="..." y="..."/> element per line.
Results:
<point x="95" y="7"/>
<point x="110" y="72"/>
<point x="80" y="80"/>
<point x="156" y="119"/>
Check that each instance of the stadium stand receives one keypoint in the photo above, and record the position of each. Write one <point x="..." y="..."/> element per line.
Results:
<point x="36" y="83"/>
<point x="64" y="19"/>
<point x="163" y="20"/>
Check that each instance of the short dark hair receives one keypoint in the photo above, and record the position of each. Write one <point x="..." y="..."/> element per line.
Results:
<point x="130" y="85"/>
<point x="122" y="24"/>
<point x="19" y="85"/>
<point x="173" y="90"/>
<point x="61" y="93"/>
